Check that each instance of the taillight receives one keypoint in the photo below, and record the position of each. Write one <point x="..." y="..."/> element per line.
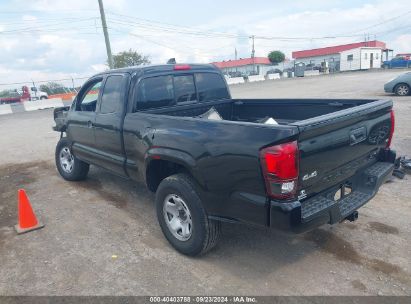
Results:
<point x="182" y="67"/>
<point x="280" y="170"/>
<point x="392" y="117"/>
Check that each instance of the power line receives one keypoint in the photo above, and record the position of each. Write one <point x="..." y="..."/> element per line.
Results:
<point x="44" y="81"/>
<point x="28" y="29"/>
<point x="383" y="33"/>
<point x="182" y="50"/>
<point x="151" y="41"/>
<point x="46" y="11"/>
<point x="44" y="20"/>
<point x="155" y="25"/>
<point x="52" y="30"/>
<point x="383" y="22"/>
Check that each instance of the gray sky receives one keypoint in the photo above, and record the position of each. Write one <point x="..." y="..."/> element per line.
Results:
<point x="45" y="39"/>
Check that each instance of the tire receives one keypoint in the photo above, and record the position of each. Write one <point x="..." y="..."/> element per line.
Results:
<point x="69" y="166"/>
<point x="177" y="198"/>
<point x="402" y="89"/>
<point x="43" y="97"/>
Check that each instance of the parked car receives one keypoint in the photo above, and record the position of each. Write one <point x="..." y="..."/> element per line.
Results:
<point x="236" y="74"/>
<point x="211" y="159"/>
<point x="312" y="67"/>
<point x="400" y="85"/>
<point x="397" y="62"/>
<point x="290" y="69"/>
<point x="274" y="71"/>
<point x="252" y="73"/>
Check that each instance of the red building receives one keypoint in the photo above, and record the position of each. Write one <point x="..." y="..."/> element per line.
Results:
<point x="259" y="65"/>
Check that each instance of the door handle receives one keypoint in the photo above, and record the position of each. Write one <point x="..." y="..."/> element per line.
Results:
<point x="89" y="124"/>
<point x="358" y="135"/>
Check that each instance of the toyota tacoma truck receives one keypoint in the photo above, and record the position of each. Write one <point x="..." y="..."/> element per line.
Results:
<point x="317" y="162"/>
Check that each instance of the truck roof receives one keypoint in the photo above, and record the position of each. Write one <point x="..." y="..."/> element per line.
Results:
<point x="146" y="69"/>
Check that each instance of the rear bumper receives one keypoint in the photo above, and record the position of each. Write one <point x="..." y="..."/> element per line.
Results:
<point x="322" y="209"/>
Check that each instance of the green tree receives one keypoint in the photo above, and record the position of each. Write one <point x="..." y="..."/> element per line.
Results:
<point x="276" y="57"/>
<point x="52" y="88"/>
<point x="129" y="58"/>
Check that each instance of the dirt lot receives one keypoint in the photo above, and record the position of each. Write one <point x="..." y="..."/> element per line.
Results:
<point x="89" y="222"/>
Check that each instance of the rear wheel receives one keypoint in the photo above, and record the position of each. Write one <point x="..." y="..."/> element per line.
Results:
<point x="182" y="217"/>
<point x="69" y="166"/>
<point x="43" y="97"/>
<point x="402" y="89"/>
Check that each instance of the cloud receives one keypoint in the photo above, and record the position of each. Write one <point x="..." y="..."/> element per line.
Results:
<point x="402" y="43"/>
<point x="77" y="47"/>
<point x="72" y="5"/>
<point x="29" y="18"/>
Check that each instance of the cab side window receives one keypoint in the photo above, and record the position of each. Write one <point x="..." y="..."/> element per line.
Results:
<point x="155" y="92"/>
<point x="88" y="100"/>
<point x="111" y="98"/>
<point x="211" y="86"/>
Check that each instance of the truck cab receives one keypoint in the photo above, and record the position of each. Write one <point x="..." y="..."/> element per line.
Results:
<point x="33" y="93"/>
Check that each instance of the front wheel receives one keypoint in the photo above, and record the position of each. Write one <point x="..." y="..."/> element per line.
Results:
<point x="43" y="97"/>
<point x="182" y="217"/>
<point x="69" y="166"/>
<point x="402" y="89"/>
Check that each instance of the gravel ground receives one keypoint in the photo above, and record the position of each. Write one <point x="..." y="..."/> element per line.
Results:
<point x="102" y="237"/>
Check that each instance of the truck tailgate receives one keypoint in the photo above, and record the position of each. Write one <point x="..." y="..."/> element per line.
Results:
<point x="333" y="147"/>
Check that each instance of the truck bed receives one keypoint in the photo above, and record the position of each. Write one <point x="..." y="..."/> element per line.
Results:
<point x="284" y="111"/>
<point x="336" y="137"/>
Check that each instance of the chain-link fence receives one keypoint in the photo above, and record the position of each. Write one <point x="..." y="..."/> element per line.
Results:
<point x="64" y="88"/>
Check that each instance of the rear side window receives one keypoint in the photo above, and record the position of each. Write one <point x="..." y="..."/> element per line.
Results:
<point x="155" y="92"/>
<point x="211" y="86"/>
<point x="110" y="101"/>
<point x="184" y="89"/>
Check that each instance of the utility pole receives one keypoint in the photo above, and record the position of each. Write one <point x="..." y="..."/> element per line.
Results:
<point x="106" y="38"/>
<point x="253" y="52"/>
<point x="235" y="56"/>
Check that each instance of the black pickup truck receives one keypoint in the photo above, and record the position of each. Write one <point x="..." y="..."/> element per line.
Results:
<point x="318" y="163"/>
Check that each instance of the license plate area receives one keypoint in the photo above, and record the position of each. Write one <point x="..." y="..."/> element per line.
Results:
<point x="342" y="192"/>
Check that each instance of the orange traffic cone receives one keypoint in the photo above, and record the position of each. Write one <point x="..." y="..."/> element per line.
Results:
<point x="27" y="218"/>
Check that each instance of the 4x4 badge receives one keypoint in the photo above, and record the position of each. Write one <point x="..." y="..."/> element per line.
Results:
<point x="311" y="175"/>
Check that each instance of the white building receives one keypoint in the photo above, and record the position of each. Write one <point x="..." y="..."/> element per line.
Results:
<point x="362" y="58"/>
<point x="346" y="57"/>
